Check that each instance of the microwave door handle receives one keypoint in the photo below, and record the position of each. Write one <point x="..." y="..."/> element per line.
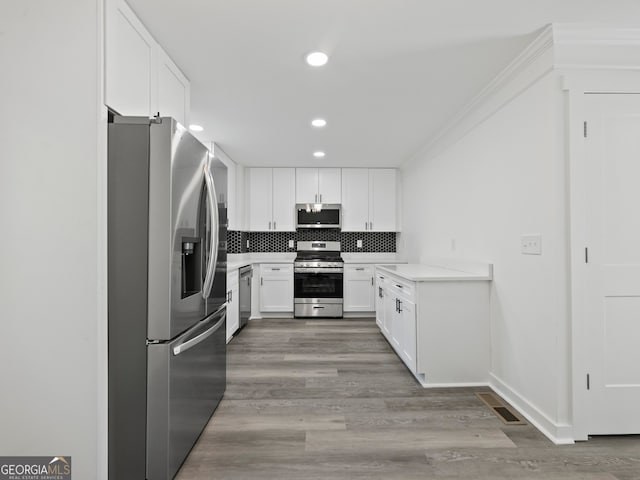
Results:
<point x="213" y="247"/>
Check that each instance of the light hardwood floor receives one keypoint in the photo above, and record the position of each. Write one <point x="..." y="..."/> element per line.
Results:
<point x="328" y="399"/>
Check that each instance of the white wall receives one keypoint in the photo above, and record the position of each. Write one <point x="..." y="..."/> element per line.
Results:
<point x="51" y="296"/>
<point x="504" y="178"/>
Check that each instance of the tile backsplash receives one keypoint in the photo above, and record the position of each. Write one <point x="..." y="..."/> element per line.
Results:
<point x="372" y="242"/>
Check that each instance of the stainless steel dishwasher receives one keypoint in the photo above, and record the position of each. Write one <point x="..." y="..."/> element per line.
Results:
<point x="246" y="273"/>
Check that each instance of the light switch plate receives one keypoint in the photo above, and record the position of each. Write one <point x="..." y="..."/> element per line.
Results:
<point x="531" y="244"/>
<point x="359" y="243"/>
<point x="290" y="243"/>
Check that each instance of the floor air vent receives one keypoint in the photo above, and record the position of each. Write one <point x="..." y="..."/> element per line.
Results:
<point x="504" y="412"/>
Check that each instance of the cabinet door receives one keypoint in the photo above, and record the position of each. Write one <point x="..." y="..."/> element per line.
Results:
<point x="407" y="333"/>
<point x="395" y="326"/>
<point x="173" y="89"/>
<point x="389" y="309"/>
<point x="233" y="311"/>
<point x="330" y="185"/>
<point x="129" y="62"/>
<point x="259" y="185"/>
<point x="382" y="200"/>
<point x="276" y="288"/>
<point x="307" y="185"/>
<point x="380" y="310"/>
<point x="284" y="201"/>
<point x="355" y="199"/>
<point x="358" y="288"/>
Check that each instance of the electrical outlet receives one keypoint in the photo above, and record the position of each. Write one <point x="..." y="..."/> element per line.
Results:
<point x="247" y="243"/>
<point x="531" y="244"/>
<point x="290" y="243"/>
<point x="359" y="243"/>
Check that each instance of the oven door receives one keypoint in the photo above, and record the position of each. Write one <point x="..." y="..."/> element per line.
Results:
<point x="317" y="284"/>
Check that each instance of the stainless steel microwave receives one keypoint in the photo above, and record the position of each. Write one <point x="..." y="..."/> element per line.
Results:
<point x="318" y="215"/>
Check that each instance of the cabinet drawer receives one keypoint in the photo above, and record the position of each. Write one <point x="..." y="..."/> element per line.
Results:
<point x="277" y="268"/>
<point x="402" y="288"/>
<point x="359" y="270"/>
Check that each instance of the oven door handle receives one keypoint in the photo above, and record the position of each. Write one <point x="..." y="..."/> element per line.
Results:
<point x="318" y="270"/>
<point x="317" y="306"/>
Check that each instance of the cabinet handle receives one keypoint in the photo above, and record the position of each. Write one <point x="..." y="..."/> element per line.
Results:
<point x="399" y="306"/>
<point x="269" y="225"/>
<point x="366" y="226"/>
<point x="230" y="295"/>
<point x="380" y="292"/>
<point x="371" y="280"/>
<point x="320" y="198"/>
<point x="360" y="269"/>
<point x="315" y="199"/>
<point x="370" y="225"/>
<point x="275" y="269"/>
<point x="260" y="281"/>
<point x="274" y="224"/>
<point x="399" y="286"/>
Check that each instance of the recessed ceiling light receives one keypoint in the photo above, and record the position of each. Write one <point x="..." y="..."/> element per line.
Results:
<point x="317" y="59"/>
<point x="318" y="122"/>
<point x="195" y="128"/>
<point x="318" y="154"/>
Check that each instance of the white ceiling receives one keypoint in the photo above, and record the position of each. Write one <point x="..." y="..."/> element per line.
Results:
<point x="399" y="70"/>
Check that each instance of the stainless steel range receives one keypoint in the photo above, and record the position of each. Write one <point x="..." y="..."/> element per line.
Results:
<point x="317" y="274"/>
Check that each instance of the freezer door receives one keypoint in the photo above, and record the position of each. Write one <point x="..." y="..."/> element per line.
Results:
<point x="177" y="166"/>
<point x="186" y="381"/>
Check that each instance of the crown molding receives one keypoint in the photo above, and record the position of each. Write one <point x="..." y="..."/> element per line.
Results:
<point x="558" y="46"/>
<point x="541" y="45"/>
<point x="573" y="34"/>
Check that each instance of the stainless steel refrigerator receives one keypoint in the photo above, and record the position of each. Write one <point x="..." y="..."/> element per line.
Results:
<point x="167" y="293"/>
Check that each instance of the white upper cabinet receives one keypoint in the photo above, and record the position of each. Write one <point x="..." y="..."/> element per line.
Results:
<point x="259" y="185"/>
<point x="271" y="193"/>
<point x="140" y="78"/>
<point x="318" y="185"/>
<point x="284" y="184"/>
<point x="382" y="200"/>
<point x="369" y="200"/>
<point x="235" y="189"/>
<point x="173" y="90"/>
<point x="355" y="199"/>
<point x="129" y="61"/>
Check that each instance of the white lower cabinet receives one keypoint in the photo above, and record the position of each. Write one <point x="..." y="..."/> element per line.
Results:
<point x="439" y="329"/>
<point x="233" y="304"/>
<point x="276" y="287"/>
<point x="359" y="288"/>
<point x="381" y="285"/>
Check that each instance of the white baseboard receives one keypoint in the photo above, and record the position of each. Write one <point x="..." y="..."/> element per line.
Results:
<point x="557" y="433"/>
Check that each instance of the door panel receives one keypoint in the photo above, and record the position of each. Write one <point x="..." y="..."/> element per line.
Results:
<point x="284" y="194"/>
<point x="176" y="179"/>
<point x="613" y="235"/>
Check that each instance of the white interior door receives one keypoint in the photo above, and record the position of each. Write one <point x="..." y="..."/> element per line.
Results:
<point x="612" y="147"/>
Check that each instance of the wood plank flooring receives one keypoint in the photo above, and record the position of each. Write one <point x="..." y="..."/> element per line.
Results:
<point x="328" y="399"/>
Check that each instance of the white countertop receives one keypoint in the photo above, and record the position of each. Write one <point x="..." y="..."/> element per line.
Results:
<point x="235" y="261"/>
<point x="369" y="257"/>
<point x="419" y="272"/>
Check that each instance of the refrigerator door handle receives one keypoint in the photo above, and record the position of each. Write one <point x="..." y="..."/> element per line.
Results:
<point x="183" y="347"/>
<point x="213" y="253"/>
